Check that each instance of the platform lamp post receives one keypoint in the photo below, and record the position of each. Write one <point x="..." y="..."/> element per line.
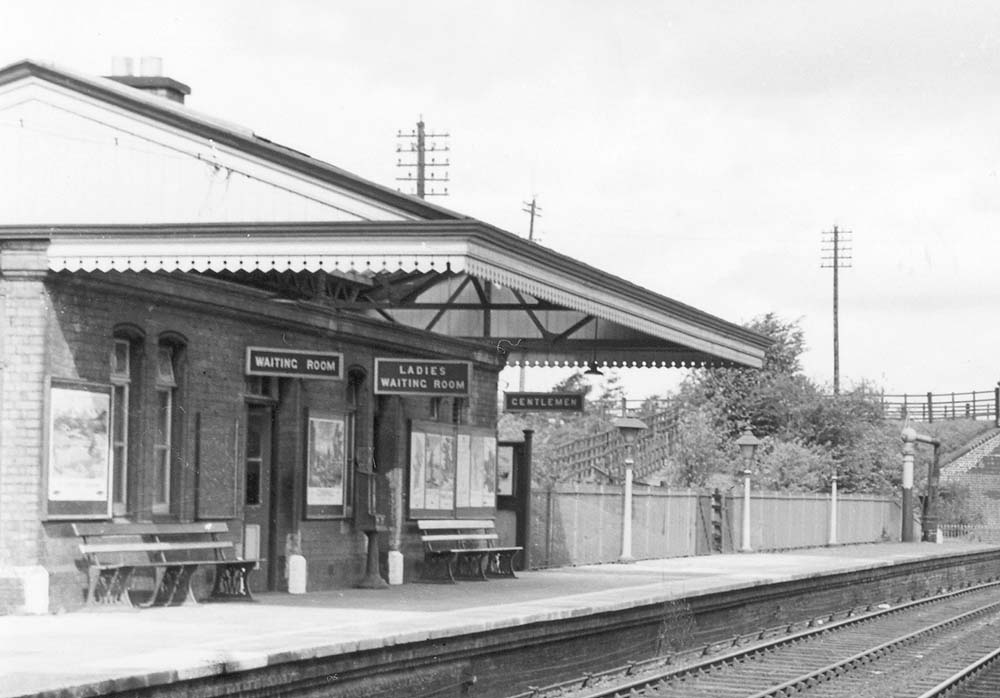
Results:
<point x="748" y="446"/>
<point x="629" y="428"/>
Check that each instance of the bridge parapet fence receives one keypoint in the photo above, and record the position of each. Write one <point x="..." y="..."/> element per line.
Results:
<point x="928" y="407"/>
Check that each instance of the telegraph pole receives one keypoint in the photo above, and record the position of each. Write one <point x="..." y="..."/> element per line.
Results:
<point x="837" y="256"/>
<point x="535" y="211"/>
<point x="418" y="144"/>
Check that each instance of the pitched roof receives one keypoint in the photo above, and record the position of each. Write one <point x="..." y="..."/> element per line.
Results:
<point x="221" y="132"/>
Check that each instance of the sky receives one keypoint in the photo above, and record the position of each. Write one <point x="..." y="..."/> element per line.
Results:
<point x="699" y="149"/>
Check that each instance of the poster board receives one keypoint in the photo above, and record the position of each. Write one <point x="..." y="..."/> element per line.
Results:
<point x="452" y="470"/>
<point x="78" y="453"/>
<point x="326" y="466"/>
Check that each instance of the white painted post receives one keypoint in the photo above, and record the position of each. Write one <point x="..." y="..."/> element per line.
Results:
<point x="833" y="511"/>
<point x="909" y="436"/>
<point x="626" y="555"/>
<point x="745" y="548"/>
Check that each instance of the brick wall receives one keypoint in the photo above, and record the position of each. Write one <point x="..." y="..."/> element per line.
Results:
<point x="210" y="434"/>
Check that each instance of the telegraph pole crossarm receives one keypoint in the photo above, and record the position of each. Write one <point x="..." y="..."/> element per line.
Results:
<point x="535" y="211"/>
<point x="419" y="144"/>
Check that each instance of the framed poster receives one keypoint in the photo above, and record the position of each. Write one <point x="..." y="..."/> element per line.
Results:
<point x="418" y="469"/>
<point x="326" y="466"/>
<point x="463" y="473"/>
<point x="505" y="471"/>
<point x="78" y="472"/>
<point x="433" y="467"/>
<point x="484" y="471"/>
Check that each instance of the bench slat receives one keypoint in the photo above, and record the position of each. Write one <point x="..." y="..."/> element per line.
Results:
<point x="438" y="524"/>
<point x="148" y="529"/>
<point x="89" y="548"/>
<point x="458" y="536"/>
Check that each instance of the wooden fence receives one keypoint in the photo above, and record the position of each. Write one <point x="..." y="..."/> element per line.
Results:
<point x="600" y="457"/>
<point x="579" y="523"/>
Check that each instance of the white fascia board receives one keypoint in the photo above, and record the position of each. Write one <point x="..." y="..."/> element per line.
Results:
<point x="233" y="253"/>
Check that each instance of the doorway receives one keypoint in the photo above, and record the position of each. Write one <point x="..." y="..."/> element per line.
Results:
<point x="258" y="511"/>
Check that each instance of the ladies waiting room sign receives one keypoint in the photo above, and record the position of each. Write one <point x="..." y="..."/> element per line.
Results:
<point x="422" y="377"/>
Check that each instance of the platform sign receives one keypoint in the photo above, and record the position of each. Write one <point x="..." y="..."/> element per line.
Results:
<point x="292" y="363"/>
<point x="422" y="377"/>
<point x="543" y="402"/>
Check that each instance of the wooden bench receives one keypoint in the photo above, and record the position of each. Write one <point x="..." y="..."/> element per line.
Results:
<point x="464" y="548"/>
<point x="114" y="552"/>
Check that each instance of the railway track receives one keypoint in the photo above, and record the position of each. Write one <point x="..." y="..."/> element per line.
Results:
<point x="945" y="645"/>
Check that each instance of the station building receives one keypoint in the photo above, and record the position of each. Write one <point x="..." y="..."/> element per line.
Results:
<point x="199" y="324"/>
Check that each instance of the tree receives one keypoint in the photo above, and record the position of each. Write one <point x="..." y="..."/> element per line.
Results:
<point x="807" y="435"/>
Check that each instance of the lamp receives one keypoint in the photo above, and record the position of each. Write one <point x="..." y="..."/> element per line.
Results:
<point x="748" y="446"/>
<point x="592" y="370"/>
<point x="629" y="428"/>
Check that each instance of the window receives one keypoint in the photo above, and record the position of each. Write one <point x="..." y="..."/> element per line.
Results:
<point x="121" y="383"/>
<point x="458" y="411"/>
<point x="166" y="384"/>
<point x="261" y="388"/>
<point x="255" y="456"/>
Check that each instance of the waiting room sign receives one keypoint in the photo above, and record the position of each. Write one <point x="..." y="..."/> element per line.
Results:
<point x="422" y="377"/>
<point x="264" y="361"/>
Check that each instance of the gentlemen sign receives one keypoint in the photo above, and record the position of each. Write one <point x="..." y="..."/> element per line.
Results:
<point x="543" y="402"/>
<point x="422" y="377"/>
<point x="263" y="361"/>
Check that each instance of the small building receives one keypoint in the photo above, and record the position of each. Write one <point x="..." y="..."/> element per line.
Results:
<point x="202" y="325"/>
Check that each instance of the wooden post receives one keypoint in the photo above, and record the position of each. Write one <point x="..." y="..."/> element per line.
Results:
<point x="930" y="408"/>
<point x="523" y="484"/>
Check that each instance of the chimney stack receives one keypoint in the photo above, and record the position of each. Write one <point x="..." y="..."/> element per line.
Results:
<point x="150" y="78"/>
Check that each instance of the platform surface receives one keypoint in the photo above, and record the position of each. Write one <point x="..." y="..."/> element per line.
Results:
<point x="89" y="653"/>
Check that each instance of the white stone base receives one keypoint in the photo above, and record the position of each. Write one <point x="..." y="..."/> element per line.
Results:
<point x="33" y="581"/>
<point x="395" y="567"/>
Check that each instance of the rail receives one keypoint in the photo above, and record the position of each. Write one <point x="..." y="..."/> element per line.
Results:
<point x="772" y="659"/>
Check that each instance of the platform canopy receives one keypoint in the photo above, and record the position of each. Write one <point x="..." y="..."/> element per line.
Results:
<point x="116" y="178"/>
<point x="462" y="279"/>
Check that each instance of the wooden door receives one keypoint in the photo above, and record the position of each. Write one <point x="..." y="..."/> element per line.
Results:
<point x="258" y="508"/>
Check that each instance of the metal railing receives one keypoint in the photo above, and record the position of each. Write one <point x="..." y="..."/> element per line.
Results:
<point x="928" y="407"/>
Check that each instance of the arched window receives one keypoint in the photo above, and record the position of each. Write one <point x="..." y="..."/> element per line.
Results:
<point x="166" y="422"/>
